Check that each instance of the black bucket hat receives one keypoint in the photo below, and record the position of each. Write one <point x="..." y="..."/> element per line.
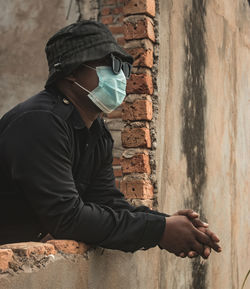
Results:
<point x="78" y="43"/>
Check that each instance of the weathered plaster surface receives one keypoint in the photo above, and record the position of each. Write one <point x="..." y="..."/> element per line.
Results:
<point x="228" y="140"/>
<point x="25" y="27"/>
<point x="193" y="123"/>
<point x="173" y="184"/>
<point x="203" y="148"/>
<point x="117" y="270"/>
<point x="59" y="273"/>
<point x="99" y="269"/>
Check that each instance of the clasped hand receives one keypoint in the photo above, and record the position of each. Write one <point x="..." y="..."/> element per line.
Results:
<point x="186" y="235"/>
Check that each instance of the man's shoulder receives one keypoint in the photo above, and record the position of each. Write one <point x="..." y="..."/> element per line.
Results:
<point x="40" y="101"/>
<point x="43" y="102"/>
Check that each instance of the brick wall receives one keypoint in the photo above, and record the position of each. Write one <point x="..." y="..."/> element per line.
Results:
<point x="132" y="24"/>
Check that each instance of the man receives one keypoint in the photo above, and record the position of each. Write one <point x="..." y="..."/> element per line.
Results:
<point x="56" y="157"/>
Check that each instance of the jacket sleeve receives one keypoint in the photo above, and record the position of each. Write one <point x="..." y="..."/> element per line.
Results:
<point x="38" y="154"/>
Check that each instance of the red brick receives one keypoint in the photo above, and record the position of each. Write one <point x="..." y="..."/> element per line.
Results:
<point x="140" y="83"/>
<point x="138" y="28"/>
<point x="106" y="11"/>
<point x="121" y="41"/>
<point x="107" y="19"/>
<point x="117" y="173"/>
<point x="137" y="189"/>
<point x="117" y="10"/>
<point x="136" y="137"/>
<point x="69" y="246"/>
<point x="141" y="109"/>
<point x="139" y="163"/>
<point x="6" y="256"/>
<point x="142" y="57"/>
<point x="139" y="7"/>
<point x="30" y="248"/>
<point x="116" y="161"/>
<point x="116" y="29"/>
<point x="119" y="19"/>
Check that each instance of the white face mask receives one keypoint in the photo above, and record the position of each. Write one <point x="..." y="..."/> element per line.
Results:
<point x="111" y="90"/>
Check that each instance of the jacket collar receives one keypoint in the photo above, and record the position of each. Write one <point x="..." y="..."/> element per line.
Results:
<point x="78" y="123"/>
<point x="71" y="111"/>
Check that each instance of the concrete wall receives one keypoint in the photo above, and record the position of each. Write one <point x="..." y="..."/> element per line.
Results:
<point x="110" y="270"/>
<point x="201" y="140"/>
<point x="59" y="273"/>
<point x="64" y="264"/>
<point x="203" y="144"/>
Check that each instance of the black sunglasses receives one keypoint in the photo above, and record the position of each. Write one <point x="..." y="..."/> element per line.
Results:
<point x="118" y="64"/>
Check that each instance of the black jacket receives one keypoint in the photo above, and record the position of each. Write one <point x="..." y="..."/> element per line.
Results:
<point x="57" y="177"/>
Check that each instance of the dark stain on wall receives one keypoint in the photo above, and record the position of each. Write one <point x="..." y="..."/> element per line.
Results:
<point x="193" y="110"/>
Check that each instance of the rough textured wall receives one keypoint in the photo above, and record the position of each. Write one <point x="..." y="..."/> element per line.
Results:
<point x="57" y="264"/>
<point x="25" y="27"/>
<point x="203" y="142"/>
<point x="66" y="264"/>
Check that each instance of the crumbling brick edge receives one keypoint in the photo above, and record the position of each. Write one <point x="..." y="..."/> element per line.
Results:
<point x="17" y="257"/>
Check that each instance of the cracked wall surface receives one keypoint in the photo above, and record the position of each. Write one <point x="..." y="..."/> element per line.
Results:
<point x="203" y="136"/>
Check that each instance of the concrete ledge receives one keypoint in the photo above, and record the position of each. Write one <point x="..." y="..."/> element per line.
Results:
<point x="57" y="264"/>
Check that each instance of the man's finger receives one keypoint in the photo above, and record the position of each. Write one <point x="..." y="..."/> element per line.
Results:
<point x="192" y="216"/>
<point x="205" y="239"/>
<point x="212" y="235"/>
<point x="188" y="213"/>
<point x="182" y="255"/>
<point x="192" y="254"/>
<point x="207" y="251"/>
<point x="198" y="247"/>
<point x="198" y="223"/>
<point x="203" y="251"/>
